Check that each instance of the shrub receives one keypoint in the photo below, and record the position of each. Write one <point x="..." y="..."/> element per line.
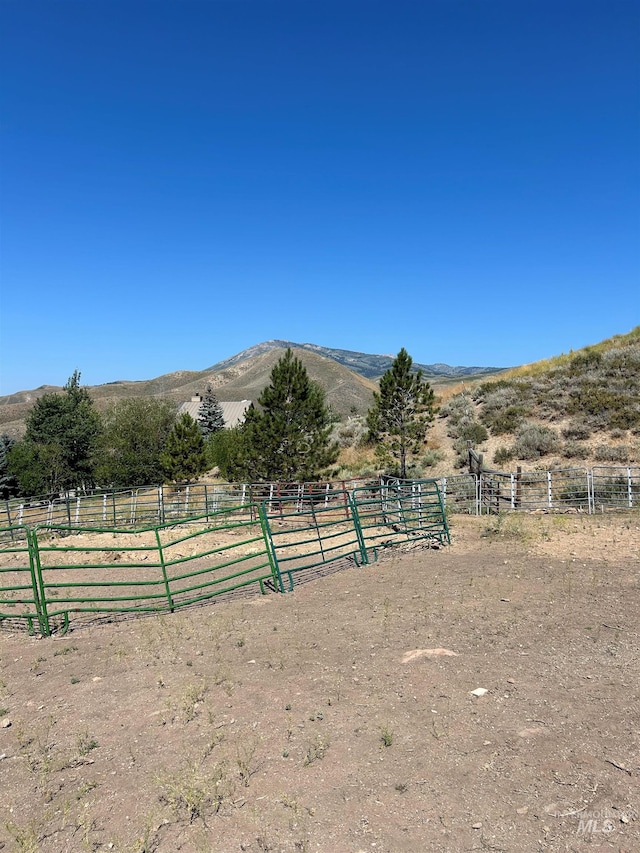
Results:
<point x="350" y="433"/>
<point x="432" y="457"/>
<point x="502" y="455"/>
<point x="474" y="432"/>
<point x="575" y="450"/>
<point x="606" y="453"/>
<point x="628" y="418"/>
<point x="459" y="406"/>
<point x="534" y="440"/>
<point x="578" y="431"/>
<point x="504" y="420"/>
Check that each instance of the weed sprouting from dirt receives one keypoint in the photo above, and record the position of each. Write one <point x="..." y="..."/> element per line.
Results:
<point x="85" y="743"/>
<point x="26" y="838"/>
<point x="196" y="793"/>
<point x="193" y="697"/>
<point x="386" y="736"/>
<point x="245" y="755"/>
<point x="316" y="750"/>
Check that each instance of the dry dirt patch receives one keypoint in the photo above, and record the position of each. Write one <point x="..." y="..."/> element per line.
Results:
<point x="300" y="721"/>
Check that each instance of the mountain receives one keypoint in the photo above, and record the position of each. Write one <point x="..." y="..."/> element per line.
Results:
<point x="346" y="376"/>
<point x="369" y="366"/>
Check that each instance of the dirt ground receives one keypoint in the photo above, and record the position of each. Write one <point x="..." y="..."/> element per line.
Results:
<point x="341" y="718"/>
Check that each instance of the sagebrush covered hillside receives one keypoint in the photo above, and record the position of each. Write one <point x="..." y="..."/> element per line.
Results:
<point x="580" y="408"/>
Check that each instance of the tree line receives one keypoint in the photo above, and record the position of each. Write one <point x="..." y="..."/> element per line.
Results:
<point x="286" y="436"/>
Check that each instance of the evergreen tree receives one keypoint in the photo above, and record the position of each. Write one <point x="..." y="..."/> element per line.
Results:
<point x="184" y="456"/>
<point x="287" y="438"/>
<point x="135" y="433"/>
<point x="8" y="482"/>
<point x="61" y="438"/>
<point x="401" y="414"/>
<point x="210" y="417"/>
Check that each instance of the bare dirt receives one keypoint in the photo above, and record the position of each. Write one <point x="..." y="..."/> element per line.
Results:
<point x="341" y="718"/>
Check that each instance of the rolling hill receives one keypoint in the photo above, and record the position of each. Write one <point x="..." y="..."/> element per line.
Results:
<point x="346" y="376"/>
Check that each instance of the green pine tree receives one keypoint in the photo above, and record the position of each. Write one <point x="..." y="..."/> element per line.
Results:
<point x="8" y="482"/>
<point x="61" y="439"/>
<point x="184" y="456"/>
<point x="287" y="437"/>
<point x="210" y="417"/>
<point x="401" y="414"/>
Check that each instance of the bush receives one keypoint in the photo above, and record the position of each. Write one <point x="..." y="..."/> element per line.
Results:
<point x="474" y="432"/>
<point x="350" y="433"/>
<point x="534" y="440"/>
<point x="575" y="450"/>
<point x="606" y="453"/>
<point x="578" y="431"/>
<point x="431" y="458"/>
<point x="458" y="407"/>
<point x="502" y="455"/>
<point x="505" y="420"/>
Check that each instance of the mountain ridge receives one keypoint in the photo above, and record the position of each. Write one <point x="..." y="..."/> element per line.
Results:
<point x="368" y="365"/>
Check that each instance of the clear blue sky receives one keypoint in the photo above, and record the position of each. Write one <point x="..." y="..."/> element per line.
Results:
<point x="182" y="180"/>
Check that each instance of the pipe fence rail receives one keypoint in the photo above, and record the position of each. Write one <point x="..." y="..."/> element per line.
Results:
<point x="589" y="490"/>
<point x="49" y="573"/>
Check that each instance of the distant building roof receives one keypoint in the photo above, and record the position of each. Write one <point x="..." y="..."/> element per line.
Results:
<point x="233" y="413"/>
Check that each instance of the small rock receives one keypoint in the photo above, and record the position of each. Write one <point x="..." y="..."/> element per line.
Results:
<point x="476" y="826"/>
<point x="6" y="723"/>
<point x="523" y="810"/>
<point x="479" y="691"/>
<point x="511" y="681"/>
<point x="96" y="678"/>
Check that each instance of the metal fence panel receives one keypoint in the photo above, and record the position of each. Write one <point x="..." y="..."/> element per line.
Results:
<point x="460" y="493"/>
<point x="399" y="511"/>
<point x="19" y="598"/>
<point x="154" y="569"/>
<point x="615" y="487"/>
<point x="307" y="533"/>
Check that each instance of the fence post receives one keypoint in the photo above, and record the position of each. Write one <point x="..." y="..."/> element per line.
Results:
<point x="40" y="596"/>
<point x="549" y="497"/>
<point x="271" y="551"/>
<point x="160" y="505"/>
<point x="629" y="490"/>
<point x="164" y="570"/>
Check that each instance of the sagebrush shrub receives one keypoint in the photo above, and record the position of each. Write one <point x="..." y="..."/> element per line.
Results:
<point x="608" y="453"/>
<point x="535" y="440"/>
<point x="576" y="431"/>
<point x="502" y="455"/>
<point x="575" y="450"/>
<point x="432" y="457"/>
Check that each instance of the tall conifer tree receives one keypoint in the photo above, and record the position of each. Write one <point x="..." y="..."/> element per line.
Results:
<point x="401" y="413"/>
<point x="210" y="417"/>
<point x="286" y="437"/>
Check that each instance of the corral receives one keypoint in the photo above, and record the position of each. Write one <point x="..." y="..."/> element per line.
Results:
<point x="341" y="717"/>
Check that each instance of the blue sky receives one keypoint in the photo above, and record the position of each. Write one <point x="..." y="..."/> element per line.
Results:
<point x="182" y="180"/>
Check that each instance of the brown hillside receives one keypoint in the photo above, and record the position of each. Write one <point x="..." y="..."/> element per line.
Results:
<point x="347" y="392"/>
